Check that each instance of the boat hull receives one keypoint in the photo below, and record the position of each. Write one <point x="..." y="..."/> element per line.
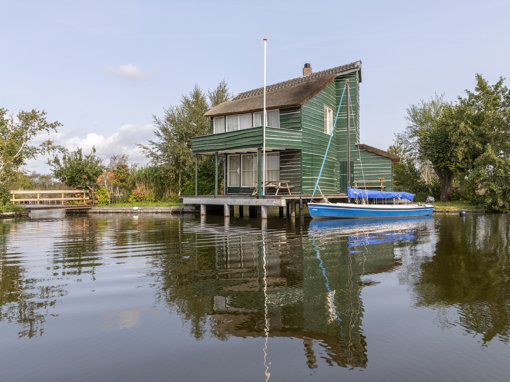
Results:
<point x="363" y="211"/>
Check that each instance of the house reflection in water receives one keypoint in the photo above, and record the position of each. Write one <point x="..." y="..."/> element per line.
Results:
<point x="313" y="284"/>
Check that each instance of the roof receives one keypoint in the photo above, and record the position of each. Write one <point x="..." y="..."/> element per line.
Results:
<point x="380" y="152"/>
<point x="294" y="92"/>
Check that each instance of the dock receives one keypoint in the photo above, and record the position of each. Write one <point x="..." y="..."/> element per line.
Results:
<point x="289" y="205"/>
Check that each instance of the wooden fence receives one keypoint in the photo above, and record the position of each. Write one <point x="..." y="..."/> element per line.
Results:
<point x="42" y="197"/>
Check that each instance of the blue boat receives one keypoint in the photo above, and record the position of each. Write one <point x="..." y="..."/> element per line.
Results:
<point x="364" y="210"/>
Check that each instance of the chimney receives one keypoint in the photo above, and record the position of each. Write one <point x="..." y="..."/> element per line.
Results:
<point x="307" y="69"/>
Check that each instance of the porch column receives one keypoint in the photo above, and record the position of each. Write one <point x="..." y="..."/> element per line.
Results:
<point x="216" y="174"/>
<point x="259" y="171"/>
<point x="196" y="175"/>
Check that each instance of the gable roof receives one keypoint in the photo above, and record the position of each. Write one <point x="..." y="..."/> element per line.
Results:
<point x="294" y="92"/>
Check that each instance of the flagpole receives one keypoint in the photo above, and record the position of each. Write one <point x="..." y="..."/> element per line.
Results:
<point x="264" y="126"/>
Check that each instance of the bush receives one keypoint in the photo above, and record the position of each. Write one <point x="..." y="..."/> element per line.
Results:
<point x="140" y="196"/>
<point x="102" y="196"/>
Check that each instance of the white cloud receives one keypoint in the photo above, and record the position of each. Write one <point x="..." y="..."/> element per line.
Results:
<point x="130" y="72"/>
<point x="123" y="141"/>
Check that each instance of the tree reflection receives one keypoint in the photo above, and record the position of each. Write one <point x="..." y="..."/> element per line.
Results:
<point x="24" y="299"/>
<point x="470" y="271"/>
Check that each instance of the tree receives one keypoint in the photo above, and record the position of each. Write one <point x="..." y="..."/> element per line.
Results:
<point x="78" y="170"/>
<point x="429" y="138"/>
<point x="171" y="148"/>
<point x="17" y="134"/>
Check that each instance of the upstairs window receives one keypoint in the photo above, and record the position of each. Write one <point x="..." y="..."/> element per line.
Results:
<point x="273" y="118"/>
<point x="219" y="125"/>
<point x="232" y="122"/>
<point x="328" y="120"/>
<point x="245" y="121"/>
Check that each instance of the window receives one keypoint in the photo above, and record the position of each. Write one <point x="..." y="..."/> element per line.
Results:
<point x="273" y="166"/>
<point x="232" y="122"/>
<point x="234" y="170"/>
<point x="245" y="121"/>
<point x="249" y="170"/>
<point x="273" y="118"/>
<point x="219" y="125"/>
<point x="328" y="120"/>
<point x="257" y="119"/>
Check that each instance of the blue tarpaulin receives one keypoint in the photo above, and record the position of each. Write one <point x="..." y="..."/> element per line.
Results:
<point x="371" y="194"/>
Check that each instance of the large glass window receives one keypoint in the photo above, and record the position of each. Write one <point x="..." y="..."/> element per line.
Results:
<point x="249" y="170"/>
<point x="219" y="125"/>
<point x="234" y="170"/>
<point x="273" y="166"/>
<point x="245" y="121"/>
<point x="273" y="118"/>
<point x="232" y="122"/>
<point x="257" y="119"/>
<point x="328" y="120"/>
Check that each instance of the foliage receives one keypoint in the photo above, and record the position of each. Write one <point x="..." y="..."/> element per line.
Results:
<point x="452" y="137"/>
<point x="140" y="196"/>
<point x="78" y="170"/>
<point x="5" y="195"/>
<point x="171" y="148"/>
<point x="102" y="196"/>
<point x="17" y="134"/>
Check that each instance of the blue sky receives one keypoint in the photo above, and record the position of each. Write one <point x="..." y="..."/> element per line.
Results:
<point x="104" y="68"/>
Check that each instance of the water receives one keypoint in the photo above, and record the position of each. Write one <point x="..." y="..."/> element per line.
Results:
<point x="157" y="299"/>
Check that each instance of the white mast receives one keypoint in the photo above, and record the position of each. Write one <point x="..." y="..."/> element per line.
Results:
<point x="264" y="126"/>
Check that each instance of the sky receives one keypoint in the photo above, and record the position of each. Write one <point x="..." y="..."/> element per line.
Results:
<point x="104" y="69"/>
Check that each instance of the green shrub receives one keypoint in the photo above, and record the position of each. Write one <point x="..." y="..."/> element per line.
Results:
<point x="102" y="196"/>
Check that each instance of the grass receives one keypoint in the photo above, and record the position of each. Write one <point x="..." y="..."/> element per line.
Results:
<point x="455" y="205"/>
<point x="142" y="204"/>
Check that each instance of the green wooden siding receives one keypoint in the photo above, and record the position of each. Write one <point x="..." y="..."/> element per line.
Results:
<point x="290" y="118"/>
<point x="371" y="167"/>
<point x="290" y="169"/>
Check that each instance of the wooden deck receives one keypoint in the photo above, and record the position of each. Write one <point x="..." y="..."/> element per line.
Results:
<point x="287" y="203"/>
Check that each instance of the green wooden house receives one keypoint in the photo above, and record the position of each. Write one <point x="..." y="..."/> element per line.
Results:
<point x="300" y="117"/>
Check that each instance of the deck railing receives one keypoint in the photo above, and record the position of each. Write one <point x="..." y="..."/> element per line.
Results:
<point x="42" y="197"/>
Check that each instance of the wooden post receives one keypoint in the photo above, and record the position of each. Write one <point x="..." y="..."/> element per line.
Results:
<point x="202" y="210"/>
<point x="263" y="212"/>
<point x="292" y="209"/>
<point x="37" y="199"/>
<point x="216" y="174"/>
<point x="62" y="201"/>
<point x="226" y="210"/>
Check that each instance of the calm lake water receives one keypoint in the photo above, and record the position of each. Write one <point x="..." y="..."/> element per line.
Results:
<point x="154" y="298"/>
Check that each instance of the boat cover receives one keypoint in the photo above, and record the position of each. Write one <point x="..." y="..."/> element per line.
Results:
<point x="371" y="194"/>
